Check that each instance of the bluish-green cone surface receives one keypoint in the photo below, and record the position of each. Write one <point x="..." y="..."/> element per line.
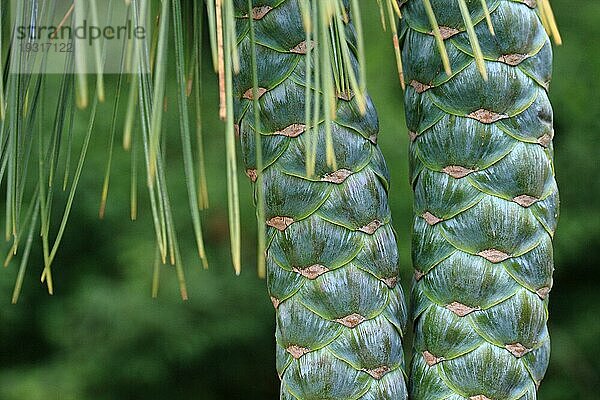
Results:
<point x="332" y="263"/>
<point x="486" y="201"/>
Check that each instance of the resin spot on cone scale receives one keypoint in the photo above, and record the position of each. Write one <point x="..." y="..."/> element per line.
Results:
<point x="275" y="302"/>
<point x="371" y="227"/>
<point x="447" y="32"/>
<point x="486" y="116"/>
<point x="431" y="219"/>
<point x="525" y="200"/>
<point x="419" y="87"/>
<point x="280" y="223"/>
<point x="252" y="174"/>
<point x="479" y="397"/>
<point x="378" y="372"/>
<point x="258" y="13"/>
<point x="312" y="272"/>
<point x="430" y="359"/>
<point x="517" y="349"/>
<point x="302" y="47"/>
<point x="338" y="176"/>
<point x="293" y="130"/>
<point x="249" y="94"/>
<point x="493" y="255"/>
<point x="543" y="292"/>
<point x="513" y="59"/>
<point x="352" y="320"/>
<point x="297" y="351"/>
<point x="460" y="309"/>
<point x="390" y="282"/>
<point x="545" y="140"/>
<point x="345" y="95"/>
<point x="456" y="171"/>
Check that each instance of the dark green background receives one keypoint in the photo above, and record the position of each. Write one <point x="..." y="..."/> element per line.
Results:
<point x="101" y="336"/>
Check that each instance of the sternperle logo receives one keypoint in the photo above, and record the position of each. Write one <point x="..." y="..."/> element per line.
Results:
<point x="78" y="36"/>
<point x="85" y="31"/>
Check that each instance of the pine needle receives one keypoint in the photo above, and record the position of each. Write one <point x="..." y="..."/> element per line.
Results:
<point x="260" y="200"/>
<point x="438" y="36"/>
<point x="479" y="61"/>
<point x="550" y="21"/>
<point x="184" y="126"/>
<point x="488" y="17"/>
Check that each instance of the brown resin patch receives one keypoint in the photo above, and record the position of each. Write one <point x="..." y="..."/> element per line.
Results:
<point x="486" y="116"/>
<point x="431" y="219"/>
<point x="419" y="274"/>
<point x="513" y="59"/>
<point x="543" y="292"/>
<point x="345" y="95"/>
<point x="461" y="309"/>
<point x="390" y="282"/>
<point x="297" y="351"/>
<point x="456" y="171"/>
<point x="493" y="255"/>
<point x="302" y="47"/>
<point x="412" y="136"/>
<point x="249" y="94"/>
<point x="430" y="359"/>
<point x="525" y="200"/>
<point x="280" y="223"/>
<point x="378" y="372"/>
<point x="352" y="320"/>
<point x="530" y="3"/>
<point x="373" y="138"/>
<point x="236" y="130"/>
<point x="517" y="349"/>
<point x="338" y="176"/>
<point x="276" y="302"/>
<point x="371" y="227"/>
<point x="419" y="87"/>
<point x="312" y="272"/>
<point x="293" y="130"/>
<point x="545" y="140"/>
<point x="479" y="397"/>
<point x="260" y="12"/>
<point x="252" y="174"/>
<point x="447" y="32"/>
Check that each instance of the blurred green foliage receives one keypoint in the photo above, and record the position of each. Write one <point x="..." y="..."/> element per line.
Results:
<point x="103" y="337"/>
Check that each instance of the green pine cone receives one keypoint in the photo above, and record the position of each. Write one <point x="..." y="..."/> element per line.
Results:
<point x="332" y="262"/>
<point x="486" y="201"/>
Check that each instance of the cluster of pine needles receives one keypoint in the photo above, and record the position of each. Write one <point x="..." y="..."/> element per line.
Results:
<point x="38" y="156"/>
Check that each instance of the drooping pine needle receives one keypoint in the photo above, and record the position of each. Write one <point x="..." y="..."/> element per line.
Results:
<point x="158" y="97"/>
<point x="221" y="59"/>
<point x="230" y="139"/>
<point x="113" y="129"/>
<point x="156" y="275"/>
<point x="260" y="200"/>
<point x="185" y="130"/>
<point x="97" y="44"/>
<point x="27" y="249"/>
<point x="80" y="60"/>
<point x="488" y="17"/>
<point x="550" y="21"/>
<point x="360" y="45"/>
<point x="2" y="103"/>
<point x="393" y="12"/>
<point x="203" y="202"/>
<point x="473" y="39"/>
<point x="438" y="36"/>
